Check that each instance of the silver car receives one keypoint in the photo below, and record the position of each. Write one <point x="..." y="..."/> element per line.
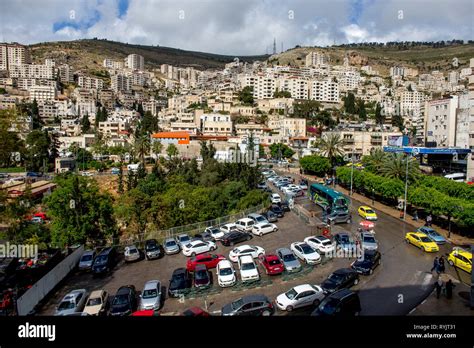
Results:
<point x="86" y="261"/>
<point x="288" y="259"/>
<point x="368" y="241"/>
<point x="131" y="253"/>
<point x="72" y="303"/>
<point x="170" y="246"/>
<point x="151" y="297"/>
<point x="182" y="240"/>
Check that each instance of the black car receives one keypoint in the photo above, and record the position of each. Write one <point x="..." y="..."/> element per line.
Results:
<point x="202" y="277"/>
<point x="284" y="205"/>
<point x="270" y="216"/>
<point x="252" y="305"/>
<point x="277" y="211"/>
<point x="205" y="237"/>
<point x="366" y="265"/>
<point x="125" y="301"/>
<point x="342" y="278"/>
<point x="152" y="249"/>
<point x="344" y="302"/>
<point x="180" y="282"/>
<point x="105" y="261"/>
<point x="235" y="237"/>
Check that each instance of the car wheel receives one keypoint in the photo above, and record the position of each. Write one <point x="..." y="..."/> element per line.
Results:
<point x="380" y="261"/>
<point x="349" y="221"/>
<point x="275" y="229"/>
<point x="193" y="254"/>
<point x="231" y="243"/>
<point x="289" y="308"/>
<point x="266" y="313"/>
<point x="406" y="240"/>
<point x="356" y="281"/>
<point x="213" y="248"/>
<point x="371" y="271"/>
<point x="316" y="302"/>
<point x="451" y="263"/>
<point x="248" y="237"/>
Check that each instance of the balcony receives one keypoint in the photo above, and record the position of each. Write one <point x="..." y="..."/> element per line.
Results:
<point x="348" y="141"/>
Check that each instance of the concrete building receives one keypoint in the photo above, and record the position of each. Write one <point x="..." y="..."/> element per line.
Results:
<point x="90" y="82"/>
<point x="215" y="124"/>
<point x="120" y="83"/>
<point x="296" y="86"/>
<point x="66" y="73"/>
<point x="42" y="93"/>
<point x="32" y="71"/>
<point x="325" y="90"/>
<point x="410" y="102"/>
<point x="13" y="54"/>
<point x="135" y="62"/>
<point x="167" y="138"/>
<point x="440" y="122"/>
<point x="287" y="126"/>
<point x="112" y="64"/>
<point x="316" y="59"/>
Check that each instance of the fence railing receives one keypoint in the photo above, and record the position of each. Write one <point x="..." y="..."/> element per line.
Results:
<point x="191" y="229"/>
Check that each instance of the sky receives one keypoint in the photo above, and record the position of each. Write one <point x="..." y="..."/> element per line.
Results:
<point x="236" y="27"/>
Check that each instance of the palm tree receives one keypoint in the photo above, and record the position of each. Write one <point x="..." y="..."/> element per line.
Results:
<point x="394" y="166"/>
<point x="331" y="146"/>
<point x="375" y="160"/>
<point x="157" y="147"/>
<point x="142" y="147"/>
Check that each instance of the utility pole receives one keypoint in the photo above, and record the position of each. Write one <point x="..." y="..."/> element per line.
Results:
<point x="274" y="46"/>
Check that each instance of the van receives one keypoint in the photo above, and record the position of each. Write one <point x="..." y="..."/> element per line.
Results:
<point x="105" y="261"/>
<point x="458" y="177"/>
<point x="245" y="224"/>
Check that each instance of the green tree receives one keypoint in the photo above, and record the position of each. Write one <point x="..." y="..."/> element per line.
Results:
<point x="120" y="179"/>
<point x="395" y="167"/>
<point x="375" y="161"/>
<point x="315" y="165"/>
<point x="172" y="151"/>
<point x="149" y="123"/>
<point x="397" y="121"/>
<point x="379" y="118"/>
<point x="37" y="149"/>
<point x="85" y="125"/>
<point x="282" y="94"/>
<point x="157" y="147"/>
<point x="331" y="147"/>
<point x="280" y="150"/>
<point x="306" y="109"/>
<point x="349" y="104"/>
<point x="10" y="142"/>
<point x="245" y="96"/>
<point x="362" y="111"/>
<point x="35" y="116"/>
<point x="142" y="147"/>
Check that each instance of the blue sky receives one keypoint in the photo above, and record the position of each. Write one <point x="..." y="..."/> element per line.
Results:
<point x="236" y="26"/>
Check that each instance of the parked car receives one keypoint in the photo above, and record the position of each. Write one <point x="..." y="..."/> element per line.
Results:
<point x="300" y="296"/>
<point x="87" y="174"/>
<point x="341" y="278"/>
<point x="198" y="247"/>
<point x="258" y="218"/>
<point x="87" y="260"/>
<point x="322" y="244"/>
<point x="202" y="277"/>
<point x="97" y="303"/>
<point x="368" y="241"/>
<point x="251" y="305"/>
<point x="261" y="229"/>
<point x="115" y="171"/>
<point x="338" y="217"/>
<point x="366" y="265"/>
<point x="284" y="205"/>
<point x="73" y="302"/>
<point x="204" y="236"/>
<point x="248" y="269"/>
<point x="270" y="216"/>
<point x="253" y="250"/>
<point x="215" y="232"/>
<point x="152" y="249"/>
<point x="182" y="240"/>
<point x="131" y="253"/>
<point x="340" y="303"/>
<point x="151" y="296"/>
<point x="228" y="228"/>
<point x="303" y="185"/>
<point x="180" y="282"/>
<point x="124" y="302"/>
<point x="272" y="264"/>
<point x="262" y="185"/>
<point x="305" y="253"/>
<point x="275" y="198"/>
<point x="209" y="260"/>
<point x="344" y="241"/>
<point x="277" y="211"/>
<point x="233" y="238"/>
<point x="170" y="246"/>
<point x="226" y="275"/>
<point x="105" y="261"/>
<point x="289" y="260"/>
<point x="438" y="239"/>
<point x="245" y="224"/>
<point x="195" y="312"/>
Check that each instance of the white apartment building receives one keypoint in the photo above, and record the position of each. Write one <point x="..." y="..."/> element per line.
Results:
<point x="216" y="124"/>
<point x="85" y="101"/>
<point x="325" y="90"/>
<point x="135" y="62"/>
<point x="410" y="102"/>
<point x="440" y="121"/>
<point x="278" y="104"/>
<point x="316" y="59"/>
<point x="42" y="93"/>
<point x="120" y="83"/>
<point x="296" y="86"/>
<point x="90" y="82"/>
<point x="66" y="73"/>
<point x="33" y="71"/>
<point x="25" y="84"/>
<point x="264" y="87"/>
<point x="113" y="127"/>
<point x="112" y="64"/>
<point x="13" y="54"/>
<point x="287" y="126"/>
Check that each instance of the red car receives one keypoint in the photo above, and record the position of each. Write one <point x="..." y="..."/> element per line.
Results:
<point x="195" y="312"/>
<point x="272" y="264"/>
<point x="146" y="313"/>
<point x="209" y="260"/>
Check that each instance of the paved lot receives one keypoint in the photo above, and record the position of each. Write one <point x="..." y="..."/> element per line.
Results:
<point x="396" y="287"/>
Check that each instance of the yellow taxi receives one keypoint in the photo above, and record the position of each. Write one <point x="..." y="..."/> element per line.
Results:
<point x="367" y="213"/>
<point x="421" y="241"/>
<point x="461" y="258"/>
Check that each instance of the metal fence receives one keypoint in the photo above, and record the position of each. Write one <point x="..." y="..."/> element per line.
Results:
<point x="300" y="214"/>
<point x="191" y="229"/>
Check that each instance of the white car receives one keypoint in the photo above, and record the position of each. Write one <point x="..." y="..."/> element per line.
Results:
<point x="252" y="250"/>
<point x="215" y="232"/>
<point x="273" y="178"/>
<point x="198" y="247"/>
<point x="87" y="174"/>
<point x="97" y="303"/>
<point x="303" y="186"/>
<point x="73" y="302"/>
<point x="225" y="274"/>
<point x="275" y="198"/>
<point x="290" y="188"/>
<point x="300" y="296"/>
<point x="263" y="228"/>
<point x="131" y="253"/>
<point x="245" y="224"/>
<point x="305" y="253"/>
<point x="321" y="244"/>
<point x="248" y="269"/>
<point x="227" y="228"/>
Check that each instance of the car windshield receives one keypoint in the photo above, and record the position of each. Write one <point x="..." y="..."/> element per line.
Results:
<point x="326" y="242"/>
<point x="237" y="304"/>
<point x="260" y="219"/>
<point x="336" y="277"/>
<point x="184" y="239"/>
<point x="369" y="239"/>
<point x="120" y="300"/>
<point x="425" y="239"/>
<point x="367" y="257"/>
<point x="274" y="262"/>
<point x="291" y="294"/>
<point x="150" y="293"/>
<point x="345" y="239"/>
<point x="152" y="247"/>
<point x="170" y="243"/>
<point x="369" y="211"/>
<point x="289" y="257"/>
<point x="307" y="249"/>
<point x="101" y="259"/>
<point x="178" y="276"/>
<point x="94" y="301"/>
<point x="225" y="271"/>
<point x="132" y="251"/>
<point x="86" y="258"/>
<point x="247" y="266"/>
<point x="214" y="230"/>
<point x="66" y="305"/>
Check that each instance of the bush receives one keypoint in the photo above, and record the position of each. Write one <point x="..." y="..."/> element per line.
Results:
<point x="315" y="164"/>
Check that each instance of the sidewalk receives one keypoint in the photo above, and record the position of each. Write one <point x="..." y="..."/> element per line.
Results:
<point x="455" y="240"/>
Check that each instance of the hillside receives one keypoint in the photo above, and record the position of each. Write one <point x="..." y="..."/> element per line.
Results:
<point x="88" y="54"/>
<point x="424" y="58"/>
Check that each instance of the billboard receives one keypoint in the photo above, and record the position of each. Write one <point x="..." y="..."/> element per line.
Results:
<point x="395" y="140"/>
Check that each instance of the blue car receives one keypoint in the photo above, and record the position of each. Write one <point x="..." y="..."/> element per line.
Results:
<point x="438" y="239"/>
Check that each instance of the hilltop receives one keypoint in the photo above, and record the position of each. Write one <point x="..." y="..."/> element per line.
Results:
<point x="89" y="54"/>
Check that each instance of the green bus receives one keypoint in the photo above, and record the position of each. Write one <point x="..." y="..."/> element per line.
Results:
<point x="325" y="196"/>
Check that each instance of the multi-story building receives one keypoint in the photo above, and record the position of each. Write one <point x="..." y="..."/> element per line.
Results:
<point x="90" y="82"/>
<point x="120" y="83"/>
<point x="112" y="64"/>
<point x="326" y="90"/>
<point x="215" y="124"/>
<point x="33" y="71"/>
<point x="316" y="59"/>
<point x="296" y="86"/>
<point x="66" y="73"/>
<point x="13" y="54"/>
<point x="135" y="62"/>
<point x="41" y="93"/>
<point x="86" y="101"/>
<point x="287" y="126"/>
<point x="410" y="102"/>
<point x="440" y="121"/>
<point x="106" y="98"/>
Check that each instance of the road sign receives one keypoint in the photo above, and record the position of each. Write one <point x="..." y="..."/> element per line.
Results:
<point x="415" y="151"/>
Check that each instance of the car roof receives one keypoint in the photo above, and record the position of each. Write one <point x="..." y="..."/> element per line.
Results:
<point x="179" y="270"/>
<point x="342" y="293"/>
<point x="124" y="290"/>
<point x="246" y="258"/>
<point x="170" y="240"/>
<point x="96" y="293"/>
<point x="183" y="235"/>
<point x="245" y="219"/>
<point x="253" y="298"/>
<point x="303" y="287"/>
<point x="284" y="251"/>
<point x="271" y="257"/>
<point x="343" y="271"/>
<point x="225" y="263"/>
<point x="151" y="284"/>
<point x="200" y="256"/>
<point x="88" y="252"/>
<point x="151" y="241"/>
<point x="366" y="234"/>
<point x="200" y="267"/>
<point x="462" y="252"/>
<point x="426" y="228"/>
<point x="106" y="251"/>
<point x="365" y="207"/>
<point x="73" y="294"/>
